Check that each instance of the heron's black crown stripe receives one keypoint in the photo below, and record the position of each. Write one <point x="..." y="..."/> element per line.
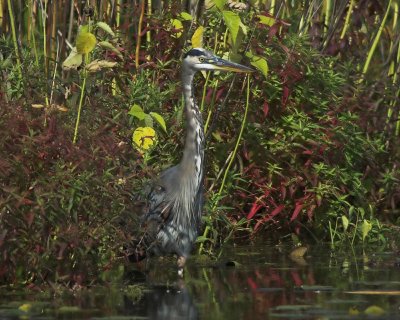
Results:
<point x="194" y="52"/>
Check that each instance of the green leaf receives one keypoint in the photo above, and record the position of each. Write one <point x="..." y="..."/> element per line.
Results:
<point x="160" y="120"/>
<point x="148" y="120"/>
<point x="269" y="21"/>
<point x="108" y="46"/>
<point x="177" y="24"/>
<point x="137" y="112"/>
<point x="85" y="42"/>
<point x="73" y="61"/>
<point x="84" y="28"/>
<point x="201" y="239"/>
<point x="185" y="16"/>
<point x="345" y="222"/>
<point x="217" y="136"/>
<point x="351" y="210"/>
<point x="105" y="27"/>
<point x="259" y="62"/>
<point x="366" y="227"/>
<point x="232" y="21"/>
<point x="362" y="212"/>
<point x="220" y="4"/>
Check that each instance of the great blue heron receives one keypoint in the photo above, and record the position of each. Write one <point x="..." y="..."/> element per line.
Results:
<point x="172" y="217"/>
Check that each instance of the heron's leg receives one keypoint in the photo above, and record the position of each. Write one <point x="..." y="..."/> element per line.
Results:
<point x="147" y="264"/>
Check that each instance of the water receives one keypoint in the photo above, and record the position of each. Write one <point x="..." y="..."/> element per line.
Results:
<point x="248" y="282"/>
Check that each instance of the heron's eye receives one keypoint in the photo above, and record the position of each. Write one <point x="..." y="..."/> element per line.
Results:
<point x="201" y="59"/>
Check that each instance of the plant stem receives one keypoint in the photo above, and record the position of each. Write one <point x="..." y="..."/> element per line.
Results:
<point x="118" y="15"/>
<point x="272" y="7"/>
<point x="347" y="20"/>
<point x="83" y="87"/>
<point x="204" y="91"/>
<point x="32" y="31"/>
<point x="212" y="105"/>
<point x="376" y="41"/>
<point x="138" y="34"/>
<point x="238" y="139"/>
<point x="207" y="229"/>
<point x="355" y="231"/>
<point x="44" y="18"/>
<point x="14" y="36"/>
<point x="328" y="8"/>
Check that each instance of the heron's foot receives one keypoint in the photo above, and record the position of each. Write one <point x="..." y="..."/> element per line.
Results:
<point x="181" y="264"/>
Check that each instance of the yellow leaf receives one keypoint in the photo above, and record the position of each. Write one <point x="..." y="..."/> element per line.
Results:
<point x="366" y="227"/>
<point x="107" y="64"/>
<point x="108" y="46"/>
<point x="97" y="65"/>
<point x="185" y="16"/>
<point x="61" y="108"/>
<point x="374" y="310"/>
<point x="84" y="28"/>
<point x="85" y="42"/>
<point x="197" y="38"/>
<point x="143" y="138"/>
<point x="25" y="307"/>
<point x="345" y="222"/>
<point x="106" y="28"/>
<point x="353" y="311"/>
<point x="73" y="61"/>
<point x="177" y="24"/>
<point x="269" y="21"/>
<point x="37" y="106"/>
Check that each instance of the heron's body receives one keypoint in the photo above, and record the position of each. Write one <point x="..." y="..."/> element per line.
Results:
<point x="173" y="214"/>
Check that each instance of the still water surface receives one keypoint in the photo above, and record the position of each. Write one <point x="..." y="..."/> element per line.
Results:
<point x="247" y="282"/>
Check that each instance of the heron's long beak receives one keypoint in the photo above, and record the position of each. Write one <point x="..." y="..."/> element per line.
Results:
<point x="225" y="65"/>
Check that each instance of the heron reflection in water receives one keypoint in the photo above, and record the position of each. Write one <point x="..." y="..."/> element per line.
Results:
<point x="172" y="217"/>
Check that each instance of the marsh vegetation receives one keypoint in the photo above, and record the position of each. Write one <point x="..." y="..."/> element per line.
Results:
<point x="91" y="109"/>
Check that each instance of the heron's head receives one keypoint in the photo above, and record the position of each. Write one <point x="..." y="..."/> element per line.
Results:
<point x="198" y="59"/>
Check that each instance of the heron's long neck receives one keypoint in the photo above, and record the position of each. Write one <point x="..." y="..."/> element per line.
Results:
<point x="193" y="154"/>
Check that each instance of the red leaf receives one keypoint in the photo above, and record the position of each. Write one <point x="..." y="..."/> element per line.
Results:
<point x="274" y="212"/>
<point x="308" y="163"/>
<point x="285" y="96"/>
<point x="265" y="109"/>
<point x="296" y="211"/>
<point x="209" y="95"/>
<point x="253" y="210"/>
<point x="310" y="211"/>
<point x="296" y="278"/>
<point x="246" y="153"/>
<point x="29" y="218"/>
<point x="26" y="202"/>
<point x="252" y="284"/>
<point x="273" y="30"/>
<point x="219" y="94"/>
<point x="283" y="191"/>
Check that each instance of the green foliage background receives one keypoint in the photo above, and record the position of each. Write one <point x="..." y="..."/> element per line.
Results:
<point x="318" y="157"/>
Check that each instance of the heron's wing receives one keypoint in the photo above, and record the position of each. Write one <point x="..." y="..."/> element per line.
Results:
<point x="158" y="206"/>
